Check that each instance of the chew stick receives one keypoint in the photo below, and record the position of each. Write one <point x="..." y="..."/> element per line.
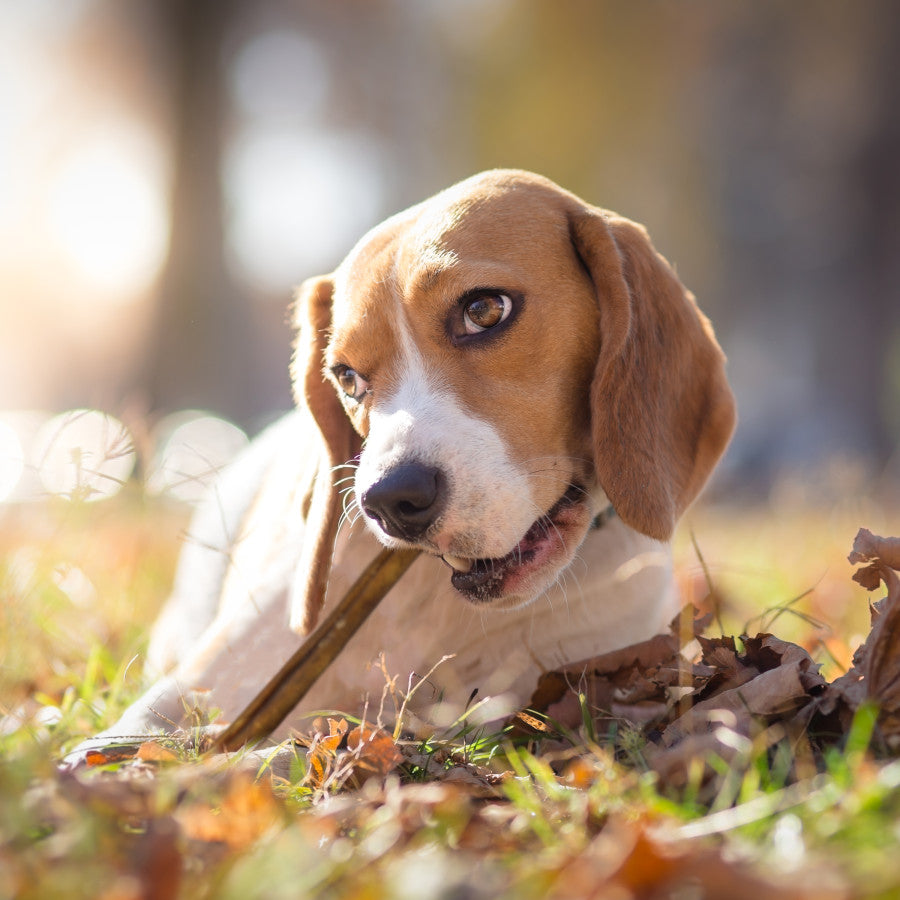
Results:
<point x="288" y="687"/>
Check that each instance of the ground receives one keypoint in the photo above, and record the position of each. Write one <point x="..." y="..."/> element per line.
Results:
<point x="361" y="813"/>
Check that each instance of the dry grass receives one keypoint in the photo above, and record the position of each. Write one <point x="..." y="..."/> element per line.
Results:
<point x="79" y="584"/>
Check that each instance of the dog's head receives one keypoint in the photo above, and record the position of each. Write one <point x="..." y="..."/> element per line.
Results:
<point x="509" y="360"/>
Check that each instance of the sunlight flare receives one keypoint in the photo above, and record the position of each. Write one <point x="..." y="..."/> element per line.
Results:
<point x="108" y="215"/>
<point x="12" y="460"/>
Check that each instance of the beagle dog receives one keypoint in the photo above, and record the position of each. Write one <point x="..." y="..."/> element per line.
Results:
<point x="503" y="376"/>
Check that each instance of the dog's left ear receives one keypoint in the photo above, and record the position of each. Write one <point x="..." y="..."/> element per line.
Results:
<point x="662" y="412"/>
<point x="339" y="444"/>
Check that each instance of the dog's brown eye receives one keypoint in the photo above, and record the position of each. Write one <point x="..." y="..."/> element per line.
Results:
<point x="351" y="382"/>
<point x="486" y="311"/>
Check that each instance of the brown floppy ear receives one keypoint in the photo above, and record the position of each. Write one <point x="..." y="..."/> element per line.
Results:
<point x="662" y="412"/>
<point x="339" y="444"/>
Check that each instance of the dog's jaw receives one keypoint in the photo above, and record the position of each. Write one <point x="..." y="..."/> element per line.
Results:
<point x="534" y="563"/>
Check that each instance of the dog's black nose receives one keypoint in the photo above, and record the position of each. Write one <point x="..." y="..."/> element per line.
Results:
<point x="406" y="501"/>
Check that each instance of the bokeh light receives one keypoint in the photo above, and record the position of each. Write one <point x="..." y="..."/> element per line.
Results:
<point x="280" y="74"/>
<point x="108" y="214"/>
<point x="193" y="449"/>
<point x="83" y="454"/>
<point x="297" y="201"/>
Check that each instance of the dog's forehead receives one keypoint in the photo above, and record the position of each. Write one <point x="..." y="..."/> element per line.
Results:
<point x="476" y="219"/>
<point x="488" y="218"/>
<point x="500" y="230"/>
<point x="366" y="280"/>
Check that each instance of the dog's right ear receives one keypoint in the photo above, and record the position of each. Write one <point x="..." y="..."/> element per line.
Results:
<point x="339" y="444"/>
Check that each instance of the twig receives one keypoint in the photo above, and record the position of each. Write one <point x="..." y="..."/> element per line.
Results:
<point x="287" y="688"/>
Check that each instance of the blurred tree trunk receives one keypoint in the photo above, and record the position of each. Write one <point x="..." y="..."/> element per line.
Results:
<point x="860" y="328"/>
<point x="201" y="344"/>
<point x="878" y="176"/>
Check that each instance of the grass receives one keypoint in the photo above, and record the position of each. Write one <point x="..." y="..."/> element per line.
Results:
<point x="466" y="814"/>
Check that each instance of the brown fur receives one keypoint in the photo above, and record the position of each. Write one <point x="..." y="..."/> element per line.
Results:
<point x="339" y="444"/>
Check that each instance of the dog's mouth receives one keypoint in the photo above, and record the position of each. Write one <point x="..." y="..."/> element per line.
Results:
<point x="546" y="542"/>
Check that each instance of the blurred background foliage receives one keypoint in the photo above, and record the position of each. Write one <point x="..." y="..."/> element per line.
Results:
<point x="170" y="170"/>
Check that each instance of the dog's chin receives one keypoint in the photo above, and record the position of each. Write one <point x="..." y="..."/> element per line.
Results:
<point x="533" y="565"/>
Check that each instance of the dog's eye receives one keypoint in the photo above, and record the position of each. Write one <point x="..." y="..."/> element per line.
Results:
<point x="485" y="311"/>
<point x="351" y="382"/>
<point x="481" y="315"/>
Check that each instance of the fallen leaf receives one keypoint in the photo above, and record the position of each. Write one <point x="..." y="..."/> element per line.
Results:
<point x="772" y="694"/>
<point x="374" y="750"/>
<point x="246" y="811"/>
<point x="153" y="751"/>
<point x="350" y="756"/>
<point x="531" y="723"/>
<point x="877" y="663"/>
<point x="868" y="546"/>
<point x="115" y="753"/>
<point x="552" y="686"/>
<point x="156" y="861"/>
<point x="629" y="860"/>
<point x="323" y="749"/>
<point x="633" y="680"/>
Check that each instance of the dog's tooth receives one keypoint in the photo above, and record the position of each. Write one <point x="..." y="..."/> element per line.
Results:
<point x="456" y="562"/>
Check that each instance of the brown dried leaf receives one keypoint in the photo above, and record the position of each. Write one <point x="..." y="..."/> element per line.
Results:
<point x="883" y="557"/>
<point x="552" y="686"/>
<point x="247" y="811"/>
<point x="869" y="576"/>
<point x="659" y="653"/>
<point x="375" y="751"/>
<point x="632" y="682"/>
<point x="153" y="751"/>
<point x="646" y="866"/>
<point x="629" y="860"/>
<point x="129" y="795"/>
<point x="350" y="755"/>
<point x="337" y="729"/>
<point x="882" y="669"/>
<point x="766" y="652"/>
<point x="115" y="753"/>
<point x="530" y="724"/>
<point x="476" y="781"/>
<point x="877" y="662"/>
<point x="323" y="749"/>
<point x="726" y="669"/>
<point x="644" y="714"/>
<point x="868" y="546"/>
<point x="771" y="695"/>
<point x="156" y="860"/>
<point x="719" y="648"/>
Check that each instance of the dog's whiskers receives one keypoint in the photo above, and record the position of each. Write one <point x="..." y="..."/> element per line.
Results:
<point x="350" y="511"/>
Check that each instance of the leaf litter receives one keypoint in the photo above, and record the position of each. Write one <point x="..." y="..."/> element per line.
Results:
<point x="554" y="809"/>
